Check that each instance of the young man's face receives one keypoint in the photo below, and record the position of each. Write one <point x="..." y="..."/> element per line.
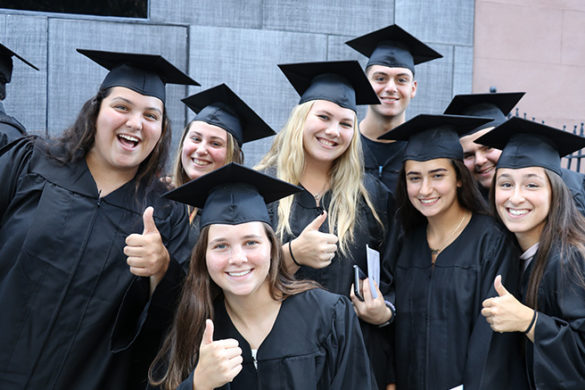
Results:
<point x="481" y="160"/>
<point x="394" y="87"/>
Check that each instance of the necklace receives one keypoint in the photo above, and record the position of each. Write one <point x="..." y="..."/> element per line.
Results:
<point x="436" y="251"/>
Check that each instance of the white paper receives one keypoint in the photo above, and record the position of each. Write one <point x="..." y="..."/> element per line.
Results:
<point x="460" y="387"/>
<point x="373" y="257"/>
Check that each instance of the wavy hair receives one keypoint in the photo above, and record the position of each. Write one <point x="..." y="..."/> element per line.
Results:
<point x="346" y="175"/>
<point x="564" y="230"/>
<point x="179" y="353"/>
<point x="468" y="196"/>
<point x="233" y="154"/>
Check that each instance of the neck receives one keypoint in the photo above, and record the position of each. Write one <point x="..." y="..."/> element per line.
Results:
<point x="107" y="180"/>
<point x="374" y="125"/>
<point x="252" y="308"/>
<point x="315" y="177"/>
<point x="527" y="239"/>
<point x="442" y="225"/>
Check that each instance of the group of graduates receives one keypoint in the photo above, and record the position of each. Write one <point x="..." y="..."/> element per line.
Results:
<point x="113" y="276"/>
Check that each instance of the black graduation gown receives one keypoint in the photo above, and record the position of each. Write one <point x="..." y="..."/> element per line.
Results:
<point x="338" y="276"/>
<point x="556" y="359"/>
<point x="442" y="340"/>
<point x="575" y="182"/>
<point x="10" y="128"/>
<point x="383" y="160"/>
<point x="63" y="274"/>
<point x="315" y="343"/>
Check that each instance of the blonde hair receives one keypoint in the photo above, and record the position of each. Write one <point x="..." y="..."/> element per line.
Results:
<point x="287" y="155"/>
<point x="233" y="154"/>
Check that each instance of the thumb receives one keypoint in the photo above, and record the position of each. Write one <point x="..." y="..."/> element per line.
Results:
<point x="317" y="222"/>
<point x="500" y="289"/>
<point x="207" y="333"/>
<point x="147" y="218"/>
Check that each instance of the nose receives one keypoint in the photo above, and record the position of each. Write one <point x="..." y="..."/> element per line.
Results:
<point x="134" y="121"/>
<point x="238" y="255"/>
<point x="333" y="129"/>
<point x="480" y="158"/>
<point x="426" y="188"/>
<point x="201" y="149"/>
<point x="390" y="86"/>
<point x="516" y="197"/>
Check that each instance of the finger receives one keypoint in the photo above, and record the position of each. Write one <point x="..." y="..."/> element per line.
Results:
<point x="500" y="289"/>
<point x="148" y="220"/>
<point x="366" y="293"/>
<point x="227" y="343"/>
<point x="207" y="333"/>
<point x="317" y="222"/>
<point x="134" y="240"/>
<point x="140" y="271"/>
<point x="487" y="302"/>
<point x="486" y="313"/>
<point x="134" y="251"/>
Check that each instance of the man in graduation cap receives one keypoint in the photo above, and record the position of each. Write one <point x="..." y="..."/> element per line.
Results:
<point x="481" y="159"/>
<point x="392" y="53"/>
<point x="10" y="128"/>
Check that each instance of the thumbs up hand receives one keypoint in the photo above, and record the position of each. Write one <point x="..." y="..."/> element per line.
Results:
<point x="313" y="248"/>
<point x="219" y="361"/>
<point x="147" y="255"/>
<point x="505" y="313"/>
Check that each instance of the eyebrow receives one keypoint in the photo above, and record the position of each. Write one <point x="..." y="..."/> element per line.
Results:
<point x="132" y="103"/>
<point x="431" y="171"/>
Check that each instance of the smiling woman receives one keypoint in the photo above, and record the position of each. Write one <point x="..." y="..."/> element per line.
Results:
<point x="86" y="292"/>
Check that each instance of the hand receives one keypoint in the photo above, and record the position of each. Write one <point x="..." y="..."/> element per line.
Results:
<point x="147" y="255"/>
<point x="373" y="311"/>
<point x="505" y="313"/>
<point x="313" y="248"/>
<point x="219" y="361"/>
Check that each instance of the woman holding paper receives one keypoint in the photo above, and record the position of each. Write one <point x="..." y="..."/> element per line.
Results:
<point x="326" y="227"/>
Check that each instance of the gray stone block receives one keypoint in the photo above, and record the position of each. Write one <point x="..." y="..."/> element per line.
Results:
<point x="26" y="94"/>
<point x="227" y="13"/>
<point x="439" y="21"/>
<point x="463" y="71"/>
<point x="74" y="78"/>
<point x="343" y="17"/>
<point x="246" y="60"/>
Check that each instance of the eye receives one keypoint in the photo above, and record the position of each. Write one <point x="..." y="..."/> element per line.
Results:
<point x="151" y="115"/>
<point x="251" y="243"/>
<point x="532" y="186"/>
<point x="219" y="246"/>
<point x="347" y="125"/>
<point x="195" y="138"/>
<point x="505" y="185"/>
<point x="438" y="175"/>
<point x="217" y="144"/>
<point x="120" y="107"/>
<point x="323" y="117"/>
<point x="413" y="179"/>
<point x="468" y="156"/>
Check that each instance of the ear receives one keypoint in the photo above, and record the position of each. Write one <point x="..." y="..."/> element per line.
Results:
<point x="414" y="86"/>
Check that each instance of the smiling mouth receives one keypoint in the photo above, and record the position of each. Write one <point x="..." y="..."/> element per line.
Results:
<point x="517" y="212"/>
<point x="428" y="202"/>
<point x="241" y="273"/>
<point x="200" y="163"/>
<point x="128" y="140"/>
<point x="485" y="171"/>
<point x="326" y="142"/>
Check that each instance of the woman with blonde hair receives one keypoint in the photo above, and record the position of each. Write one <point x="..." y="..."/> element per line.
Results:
<point x="327" y="227"/>
<point x="214" y="138"/>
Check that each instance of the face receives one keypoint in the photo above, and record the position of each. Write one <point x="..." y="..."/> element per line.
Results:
<point x="523" y="199"/>
<point x="128" y="127"/>
<point x="394" y="87"/>
<point x="479" y="159"/>
<point x="327" y="132"/>
<point x="238" y="257"/>
<point x="432" y="186"/>
<point x="204" y="149"/>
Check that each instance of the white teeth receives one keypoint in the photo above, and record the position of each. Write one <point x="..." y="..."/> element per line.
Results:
<point x="427" y="201"/>
<point x="238" y="273"/>
<point x="326" y="142"/>
<point x="200" y="162"/>
<point x="518" y="212"/>
<point x="129" y="138"/>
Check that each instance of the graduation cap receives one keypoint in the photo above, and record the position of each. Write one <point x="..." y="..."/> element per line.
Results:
<point x="393" y="47"/>
<point x="232" y="195"/>
<point x="220" y="106"/>
<point x="526" y="143"/>
<point x="490" y="105"/>
<point x="6" y="62"/>
<point x="146" y="74"/>
<point x="340" y="82"/>
<point x="433" y="136"/>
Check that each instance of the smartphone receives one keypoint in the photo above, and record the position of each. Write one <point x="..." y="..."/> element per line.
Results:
<point x="358" y="281"/>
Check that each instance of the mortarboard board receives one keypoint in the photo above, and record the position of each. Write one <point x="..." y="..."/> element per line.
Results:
<point x="6" y="62"/>
<point x="146" y="74"/>
<point x="220" y="106"/>
<point x="232" y="195"/>
<point x="340" y="82"/>
<point x="526" y="143"/>
<point x="433" y="136"/>
<point x="393" y="47"/>
<point x="490" y="105"/>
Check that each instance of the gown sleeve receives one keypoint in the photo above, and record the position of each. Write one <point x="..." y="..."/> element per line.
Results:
<point x="13" y="161"/>
<point x="350" y="364"/>
<point x="496" y="356"/>
<point x="559" y="336"/>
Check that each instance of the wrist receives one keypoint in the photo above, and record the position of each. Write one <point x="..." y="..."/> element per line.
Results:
<point x="389" y="306"/>
<point x="532" y="323"/>
<point x="292" y="256"/>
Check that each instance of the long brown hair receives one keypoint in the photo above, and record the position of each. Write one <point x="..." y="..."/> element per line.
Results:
<point x="564" y="231"/>
<point x="468" y="196"/>
<point x="76" y="141"/>
<point x="179" y="352"/>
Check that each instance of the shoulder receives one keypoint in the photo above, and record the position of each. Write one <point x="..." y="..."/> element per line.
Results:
<point x="318" y="300"/>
